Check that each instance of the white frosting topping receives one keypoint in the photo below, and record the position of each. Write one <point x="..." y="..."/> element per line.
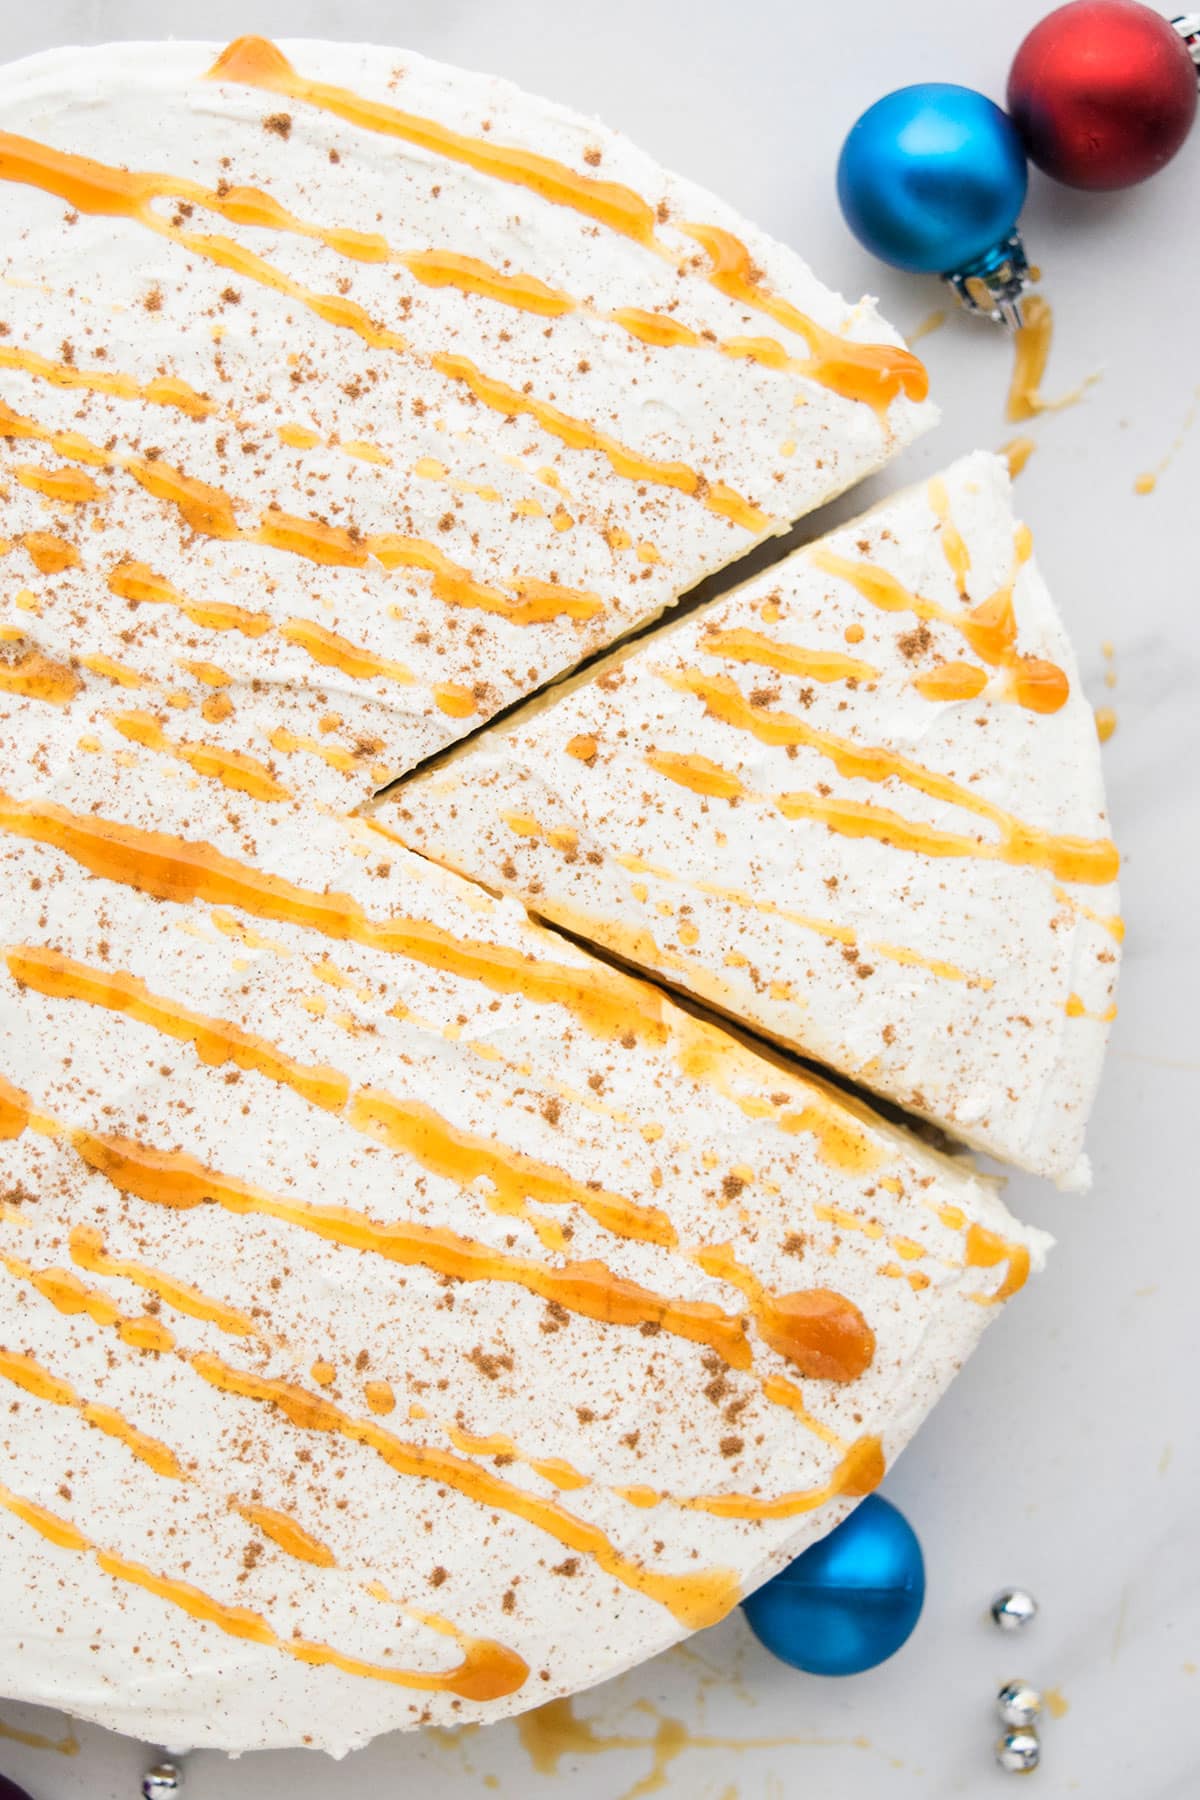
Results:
<point x="828" y="804"/>
<point x="437" y="372"/>
<point x="350" y="1055"/>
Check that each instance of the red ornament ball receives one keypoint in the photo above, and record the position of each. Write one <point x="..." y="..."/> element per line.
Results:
<point x="1103" y="93"/>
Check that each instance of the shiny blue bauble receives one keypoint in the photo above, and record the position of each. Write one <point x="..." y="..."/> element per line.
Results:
<point x="848" y="1603"/>
<point x="932" y="178"/>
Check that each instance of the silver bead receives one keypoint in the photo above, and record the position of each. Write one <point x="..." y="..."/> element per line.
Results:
<point x="1019" y="1752"/>
<point x="1012" y="1608"/>
<point x="1018" y="1703"/>
<point x="162" y="1782"/>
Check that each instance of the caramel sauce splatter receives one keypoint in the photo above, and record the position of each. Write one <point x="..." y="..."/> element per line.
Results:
<point x="1106" y="722"/>
<point x="1032" y="352"/>
<point x="821" y="1333"/>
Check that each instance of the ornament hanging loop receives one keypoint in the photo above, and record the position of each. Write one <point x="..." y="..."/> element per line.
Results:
<point x="994" y="283"/>
<point x="1188" y="27"/>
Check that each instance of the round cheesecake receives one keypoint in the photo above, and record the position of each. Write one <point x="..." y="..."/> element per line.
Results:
<point x="407" y="1315"/>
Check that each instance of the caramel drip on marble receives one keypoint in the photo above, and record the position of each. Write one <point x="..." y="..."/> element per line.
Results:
<point x="986" y="1250"/>
<point x="215" y="1041"/>
<point x="35" y="676"/>
<point x="232" y="768"/>
<point x="182" y="870"/>
<point x="873" y="373"/>
<point x="1069" y="858"/>
<point x="68" y="1745"/>
<point x="29" y="1375"/>
<point x="97" y="188"/>
<point x="488" y="1671"/>
<point x="88" y="1252"/>
<point x="741" y="645"/>
<point x="1032" y="352"/>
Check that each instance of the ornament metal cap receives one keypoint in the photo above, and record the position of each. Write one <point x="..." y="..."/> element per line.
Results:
<point x="1188" y="27"/>
<point x="993" y="284"/>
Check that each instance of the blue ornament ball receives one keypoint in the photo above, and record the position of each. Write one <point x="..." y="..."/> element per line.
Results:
<point x="932" y="178"/>
<point x="848" y="1603"/>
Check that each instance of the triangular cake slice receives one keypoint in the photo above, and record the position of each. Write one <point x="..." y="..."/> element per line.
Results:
<point x="345" y="397"/>
<point x="856" y="804"/>
<point x="405" y="1316"/>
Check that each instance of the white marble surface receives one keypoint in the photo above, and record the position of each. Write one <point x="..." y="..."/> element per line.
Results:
<point x="1068" y="1455"/>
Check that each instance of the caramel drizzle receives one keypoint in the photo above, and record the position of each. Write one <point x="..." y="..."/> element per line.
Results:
<point x="488" y="1671"/>
<point x="694" y="1599"/>
<point x="88" y="1252"/>
<point x="184" y="871"/>
<point x="215" y="1041"/>
<point x="986" y="1250"/>
<point x="1069" y="858"/>
<point x="34" y="676"/>
<point x="209" y="512"/>
<point x="989" y="628"/>
<point x="741" y="645"/>
<point x="821" y="1333"/>
<point x="826" y="928"/>
<point x="860" y="1472"/>
<point x="29" y="1375"/>
<point x="232" y="768"/>
<point x="49" y="553"/>
<point x="164" y="390"/>
<point x="954" y="547"/>
<point x="874" y="373"/>
<point x="406" y="1126"/>
<point x="577" y="434"/>
<point x="67" y="487"/>
<point x="167" y="1178"/>
<point x="97" y="188"/>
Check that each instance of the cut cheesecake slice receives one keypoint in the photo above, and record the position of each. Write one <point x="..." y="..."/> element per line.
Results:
<point x="345" y="398"/>
<point x="856" y="804"/>
<point x="405" y="1317"/>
